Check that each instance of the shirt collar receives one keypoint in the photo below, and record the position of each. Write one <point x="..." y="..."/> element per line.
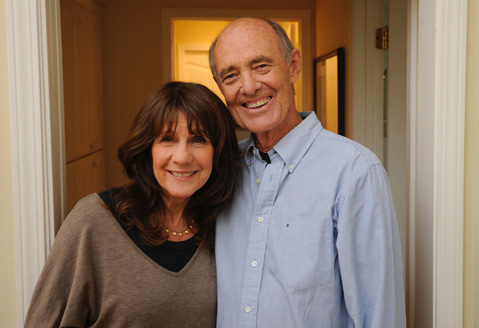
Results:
<point x="292" y="147"/>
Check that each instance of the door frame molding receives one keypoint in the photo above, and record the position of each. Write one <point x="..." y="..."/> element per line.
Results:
<point x="437" y="51"/>
<point x="436" y="111"/>
<point x="36" y="109"/>
<point x="436" y="107"/>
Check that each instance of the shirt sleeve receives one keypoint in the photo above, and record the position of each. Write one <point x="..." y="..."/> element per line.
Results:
<point x="64" y="295"/>
<point x="369" y="252"/>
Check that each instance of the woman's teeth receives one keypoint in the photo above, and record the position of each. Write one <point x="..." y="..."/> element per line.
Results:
<point x="182" y="174"/>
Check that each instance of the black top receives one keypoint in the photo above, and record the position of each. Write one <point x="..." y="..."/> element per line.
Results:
<point x="265" y="157"/>
<point x="170" y="255"/>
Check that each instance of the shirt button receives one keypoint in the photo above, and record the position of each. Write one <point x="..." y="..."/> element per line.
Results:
<point x="260" y="219"/>
<point x="248" y="309"/>
<point x="291" y="167"/>
<point x="254" y="264"/>
<point x="254" y="152"/>
<point x="258" y="180"/>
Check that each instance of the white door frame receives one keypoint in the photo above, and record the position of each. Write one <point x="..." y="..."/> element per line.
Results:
<point x="436" y="102"/>
<point x="36" y="107"/>
<point x="436" y="109"/>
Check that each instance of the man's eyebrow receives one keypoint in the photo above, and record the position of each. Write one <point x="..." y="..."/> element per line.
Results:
<point x="261" y="59"/>
<point x="226" y="70"/>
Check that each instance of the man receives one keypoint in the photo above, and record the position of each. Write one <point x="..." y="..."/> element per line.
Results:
<point x="311" y="239"/>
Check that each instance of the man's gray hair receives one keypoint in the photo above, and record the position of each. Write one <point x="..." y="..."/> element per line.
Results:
<point x="285" y="43"/>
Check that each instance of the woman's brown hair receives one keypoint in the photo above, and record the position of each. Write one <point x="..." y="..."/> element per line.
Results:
<point x="142" y="198"/>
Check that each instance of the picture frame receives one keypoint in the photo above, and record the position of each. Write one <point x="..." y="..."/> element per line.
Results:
<point x="329" y="90"/>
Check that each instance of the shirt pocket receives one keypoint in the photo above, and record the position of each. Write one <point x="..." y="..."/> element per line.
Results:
<point x="303" y="257"/>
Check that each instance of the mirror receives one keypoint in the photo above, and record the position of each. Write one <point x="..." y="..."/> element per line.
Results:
<point x="329" y="96"/>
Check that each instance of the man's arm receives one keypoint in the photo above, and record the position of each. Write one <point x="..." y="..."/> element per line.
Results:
<point x="369" y="252"/>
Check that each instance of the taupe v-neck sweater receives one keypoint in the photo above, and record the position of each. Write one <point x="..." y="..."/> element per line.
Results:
<point x="95" y="276"/>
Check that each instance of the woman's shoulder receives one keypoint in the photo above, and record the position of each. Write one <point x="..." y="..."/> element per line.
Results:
<point x="88" y="211"/>
<point x="91" y="200"/>
<point x="89" y="204"/>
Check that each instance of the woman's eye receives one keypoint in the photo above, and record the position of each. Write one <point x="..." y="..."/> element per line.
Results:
<point x="199" y="139"/>
<point x="166" y="139"/>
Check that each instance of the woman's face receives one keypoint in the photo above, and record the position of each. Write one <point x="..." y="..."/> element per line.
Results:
<point x="182" y="162"/>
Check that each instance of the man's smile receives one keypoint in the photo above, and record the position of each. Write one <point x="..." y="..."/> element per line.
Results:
<point x="258" y="103"/>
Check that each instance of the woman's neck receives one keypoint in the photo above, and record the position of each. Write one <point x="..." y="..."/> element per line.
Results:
<point x="175" y="223"/>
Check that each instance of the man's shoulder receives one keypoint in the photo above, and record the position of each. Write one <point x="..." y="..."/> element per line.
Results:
<point x="329" y="143"/>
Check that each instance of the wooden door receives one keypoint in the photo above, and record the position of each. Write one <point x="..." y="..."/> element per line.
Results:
<point x="83" y="97"/>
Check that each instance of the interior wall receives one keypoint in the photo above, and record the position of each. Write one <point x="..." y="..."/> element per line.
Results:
<point x="133" y="57"/>
<point x="471" y="172"/>
<point x="333" y="30"/>
<point x="8" y="299"/>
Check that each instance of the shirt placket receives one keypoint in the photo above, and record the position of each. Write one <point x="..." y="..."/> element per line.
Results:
<point x="268" y="189"/>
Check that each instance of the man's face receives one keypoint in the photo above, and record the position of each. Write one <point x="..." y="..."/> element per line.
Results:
<point x="254" y="77"/>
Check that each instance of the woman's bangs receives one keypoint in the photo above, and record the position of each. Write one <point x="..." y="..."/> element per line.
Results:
<point x="166" y="120"/>
<point x="196" y="124"/>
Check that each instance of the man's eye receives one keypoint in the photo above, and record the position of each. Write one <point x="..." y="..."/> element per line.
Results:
<point x="228" y="77"/>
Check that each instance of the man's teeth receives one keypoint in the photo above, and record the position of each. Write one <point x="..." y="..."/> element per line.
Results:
<point x="258" y="103"/>
<point x="182" y="175"/>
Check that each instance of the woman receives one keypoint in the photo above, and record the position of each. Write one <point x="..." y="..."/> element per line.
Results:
<point x="142" y="255"/>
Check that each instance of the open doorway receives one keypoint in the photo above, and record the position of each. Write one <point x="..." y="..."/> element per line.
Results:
<point x="167" y="71"/>
<point x="36" y="109"/>
<point x="191" y="41"/>
<point x="190" y="45"/>
<point x="178" y="25"/>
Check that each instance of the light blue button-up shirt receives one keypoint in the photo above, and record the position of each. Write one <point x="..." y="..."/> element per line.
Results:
<point x="311" y="239"/>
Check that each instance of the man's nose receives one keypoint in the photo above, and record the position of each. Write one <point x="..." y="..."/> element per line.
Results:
<point x="249" y="84"/>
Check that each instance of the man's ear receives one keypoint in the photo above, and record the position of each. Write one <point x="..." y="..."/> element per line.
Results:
<point x="295" y="65"/>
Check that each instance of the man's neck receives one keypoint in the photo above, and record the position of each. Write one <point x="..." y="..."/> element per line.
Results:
<point x="265" y="141"/>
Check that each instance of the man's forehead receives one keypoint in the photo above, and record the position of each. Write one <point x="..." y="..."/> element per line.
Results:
<point x="246" y="23"/>
<point x="245" y="42"/>
<point x="234" y="38"/>
<point x="245" y="26"/>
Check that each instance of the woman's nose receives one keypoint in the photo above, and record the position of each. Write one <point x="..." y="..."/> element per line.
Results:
<point x="182" y="154"/>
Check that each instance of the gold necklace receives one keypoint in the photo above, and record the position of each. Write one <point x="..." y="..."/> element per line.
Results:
<point x="180" y="233"/>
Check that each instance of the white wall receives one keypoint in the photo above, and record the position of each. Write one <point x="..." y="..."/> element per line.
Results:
<point x="8" y="300"/>
<point x="471" y="183"/>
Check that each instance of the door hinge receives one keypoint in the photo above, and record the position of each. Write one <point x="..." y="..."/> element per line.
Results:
<point x="382" y="38"/>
